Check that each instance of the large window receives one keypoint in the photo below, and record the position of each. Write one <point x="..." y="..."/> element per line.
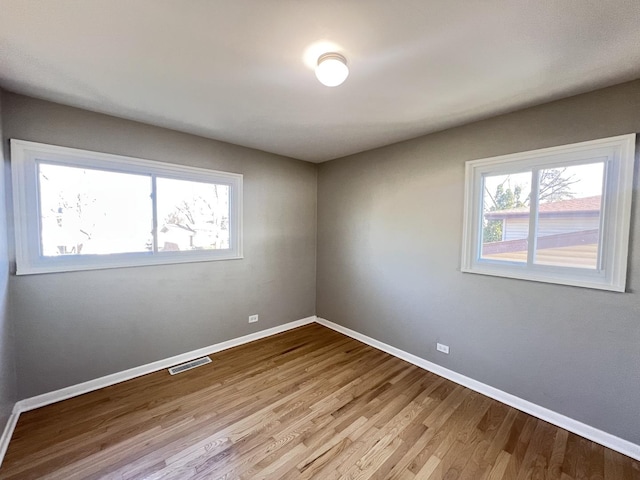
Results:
<point x="558" y="215"/>
<point x="79" y="210"/>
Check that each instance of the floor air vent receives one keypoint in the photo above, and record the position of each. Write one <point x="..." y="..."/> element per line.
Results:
<point x="189" y="365"/>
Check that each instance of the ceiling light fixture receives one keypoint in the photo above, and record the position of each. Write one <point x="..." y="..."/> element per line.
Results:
<point x="332" y="69"/>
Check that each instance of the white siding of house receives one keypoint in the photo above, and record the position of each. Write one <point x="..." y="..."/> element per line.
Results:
<point x="555" y="226"/>
<point x="517" y="228"/>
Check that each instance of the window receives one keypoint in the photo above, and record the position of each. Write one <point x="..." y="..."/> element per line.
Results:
<point x="556" y="215"/>
<point x="81" y="210"/>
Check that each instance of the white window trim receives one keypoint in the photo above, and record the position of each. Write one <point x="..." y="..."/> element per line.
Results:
<point x="619" y="152"/>
<point x="24" y="157"/>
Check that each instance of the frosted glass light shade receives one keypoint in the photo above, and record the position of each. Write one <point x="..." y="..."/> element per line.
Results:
<point x="332" y="69"/>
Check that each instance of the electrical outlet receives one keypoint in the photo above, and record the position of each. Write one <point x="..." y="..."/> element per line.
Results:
<point x="442" y="348"/>
<point x="253" y="318"/>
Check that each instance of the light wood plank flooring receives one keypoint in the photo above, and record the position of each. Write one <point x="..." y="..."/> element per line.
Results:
<point x="308" y="403"/>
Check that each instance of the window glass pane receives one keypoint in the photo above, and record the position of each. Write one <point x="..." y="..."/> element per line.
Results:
<point x="505" y="226"/>
<point x="569" y="216"/>
<point x="86" y="211"/>
<point x="192" y="215"/>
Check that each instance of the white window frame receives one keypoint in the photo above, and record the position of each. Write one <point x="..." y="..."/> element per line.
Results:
<point x="24" y="170"/>
<point x="618" y="154"/>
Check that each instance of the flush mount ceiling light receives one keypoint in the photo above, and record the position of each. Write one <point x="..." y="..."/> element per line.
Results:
<point x="332" y="69"/>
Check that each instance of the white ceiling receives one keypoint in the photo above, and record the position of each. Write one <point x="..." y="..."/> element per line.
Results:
<point x="241" y="70"/>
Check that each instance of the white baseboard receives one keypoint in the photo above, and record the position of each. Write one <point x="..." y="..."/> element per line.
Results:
<point x="7" y="433"/>
<point x="106" y="381"/>
<point x="603" y="438"/>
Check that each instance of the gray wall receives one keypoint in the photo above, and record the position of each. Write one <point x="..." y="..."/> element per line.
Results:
<point x="8" y="385"/>
<point x="81" y="325"/>
<point x="389" y="243"/>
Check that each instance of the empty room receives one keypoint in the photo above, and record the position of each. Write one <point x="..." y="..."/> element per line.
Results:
<point x="319" y="240"/>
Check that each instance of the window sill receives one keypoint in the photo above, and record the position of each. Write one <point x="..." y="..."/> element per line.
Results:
<point x="595" y="281"/>
<point x="63" y="264"/>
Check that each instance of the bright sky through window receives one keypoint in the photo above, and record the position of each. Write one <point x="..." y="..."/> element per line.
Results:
<point x="86" y="212"/>
<point x="192" y="215"/>
<point x="96" y="212"/>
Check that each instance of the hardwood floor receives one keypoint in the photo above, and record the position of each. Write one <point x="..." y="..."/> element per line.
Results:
<point x="308" y="403"/>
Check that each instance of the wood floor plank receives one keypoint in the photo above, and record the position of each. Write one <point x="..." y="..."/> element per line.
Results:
<point x="305" y="404"/>
<point x="500" y="466"/>
<point x="557" y="455"/>
<point x="536" y="460"/>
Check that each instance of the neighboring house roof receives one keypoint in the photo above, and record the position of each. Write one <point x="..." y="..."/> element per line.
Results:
<point x="586" y="206"/>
